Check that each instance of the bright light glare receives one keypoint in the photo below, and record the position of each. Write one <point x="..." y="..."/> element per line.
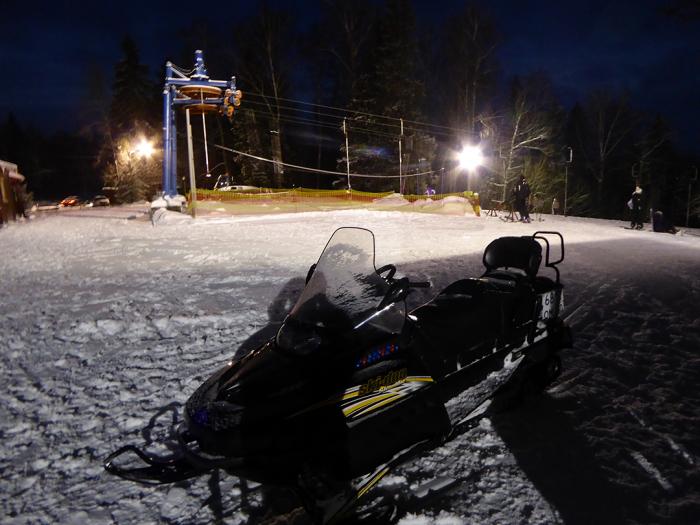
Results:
<point x="470" y="158"/>
<point x="144" y="148"/>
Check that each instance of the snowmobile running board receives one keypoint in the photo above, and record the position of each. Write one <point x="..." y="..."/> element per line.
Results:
<point x="338" y="511"/>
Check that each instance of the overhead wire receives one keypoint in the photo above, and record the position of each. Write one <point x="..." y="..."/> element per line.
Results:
<point x="341" y="117"/>
<point x="317" y="170"/>
<point x="300" y="120"/>
<point x="357" y="112"/>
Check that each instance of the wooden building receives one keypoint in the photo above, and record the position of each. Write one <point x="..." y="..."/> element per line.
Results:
<point x="11" y="182"/>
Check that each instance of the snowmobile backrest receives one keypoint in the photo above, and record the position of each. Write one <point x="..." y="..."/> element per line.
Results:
<point x="522" y="253"/>
<point x="543" y="237"/>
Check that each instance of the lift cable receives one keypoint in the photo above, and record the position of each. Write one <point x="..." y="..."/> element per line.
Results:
<point x="299" y="120"/>
<point x="357" y="112"/>
<point x="327" y="172"/>
<point x="340" y="117"/>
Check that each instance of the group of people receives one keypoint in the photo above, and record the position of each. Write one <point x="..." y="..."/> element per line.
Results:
<point x="659" y="222"/>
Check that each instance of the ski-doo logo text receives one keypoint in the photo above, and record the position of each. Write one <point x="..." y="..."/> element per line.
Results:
<point x="382" y="382"/>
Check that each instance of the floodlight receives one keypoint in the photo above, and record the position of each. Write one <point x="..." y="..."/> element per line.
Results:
<point x="470" y="158"/>
<point x="144" y="148"/>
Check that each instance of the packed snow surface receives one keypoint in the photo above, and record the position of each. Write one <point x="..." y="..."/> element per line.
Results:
<point x="108" y="323"/>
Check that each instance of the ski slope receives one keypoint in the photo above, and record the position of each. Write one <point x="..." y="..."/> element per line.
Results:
<point x="108" y="324"/>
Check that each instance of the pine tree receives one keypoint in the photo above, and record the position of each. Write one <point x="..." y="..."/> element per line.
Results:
<point x="131" y="116"/>
<point x="389" y="86"/>
<point x="132" y="97"/>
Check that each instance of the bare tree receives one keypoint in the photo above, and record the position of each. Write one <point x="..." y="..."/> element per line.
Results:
<point x="349" y="25"/>
<point x="264" y="65"/>
<point x="470" y="46"/>
<point x="529" y="129"/>
<point x="612" y="122"/>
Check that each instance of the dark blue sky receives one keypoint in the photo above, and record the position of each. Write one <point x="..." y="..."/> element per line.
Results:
<point x="48" y="48"/>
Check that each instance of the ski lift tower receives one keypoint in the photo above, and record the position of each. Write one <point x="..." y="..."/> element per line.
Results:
<point x="197" y="94"/>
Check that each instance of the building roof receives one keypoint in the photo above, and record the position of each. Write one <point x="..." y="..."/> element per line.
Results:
<point x="12" y="169"/>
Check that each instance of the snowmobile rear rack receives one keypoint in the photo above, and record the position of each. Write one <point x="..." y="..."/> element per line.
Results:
<point x="540" y="235"/>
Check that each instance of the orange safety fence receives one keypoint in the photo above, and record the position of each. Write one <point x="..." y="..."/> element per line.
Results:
<point x="341" y="198"/>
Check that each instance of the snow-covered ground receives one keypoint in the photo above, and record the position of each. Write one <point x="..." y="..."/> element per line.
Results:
<point x="107" y="325"/>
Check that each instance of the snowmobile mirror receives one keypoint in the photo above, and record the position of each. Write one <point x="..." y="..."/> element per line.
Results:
<point x="387" y="267"/>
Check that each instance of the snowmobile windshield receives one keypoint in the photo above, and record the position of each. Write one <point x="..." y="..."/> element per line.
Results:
<point x="344" y="294"/>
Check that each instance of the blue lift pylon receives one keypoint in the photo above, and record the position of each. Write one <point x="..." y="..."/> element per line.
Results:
<point x="195" y="93"/>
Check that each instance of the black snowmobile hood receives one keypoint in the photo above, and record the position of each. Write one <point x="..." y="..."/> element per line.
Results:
<point x="340" y="313"/>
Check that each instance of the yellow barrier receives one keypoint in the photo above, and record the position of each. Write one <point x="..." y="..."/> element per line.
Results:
<point x="324" y="199"/>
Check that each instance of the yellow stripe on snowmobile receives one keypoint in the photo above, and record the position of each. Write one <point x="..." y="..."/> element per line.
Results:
<point x="367" y="401"/>
<point x="359" y="411"/>
<point x="424" y="379"/>
<point x="394" y="393"/>
<point x="372" y="482"/>
<point x="380" y="404"/>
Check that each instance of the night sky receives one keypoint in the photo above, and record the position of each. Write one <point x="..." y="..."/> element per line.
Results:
<point x="47" y="50"/>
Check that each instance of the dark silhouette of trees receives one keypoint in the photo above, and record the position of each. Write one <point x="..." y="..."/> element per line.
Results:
<point x="367" y="67"/>
<point x="132" y="118"/>
<point x="132" y="92"/>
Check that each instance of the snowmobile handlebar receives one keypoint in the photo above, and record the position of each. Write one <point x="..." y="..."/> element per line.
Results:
<point x="399" y="289"/>
<point x="404" y="280"/>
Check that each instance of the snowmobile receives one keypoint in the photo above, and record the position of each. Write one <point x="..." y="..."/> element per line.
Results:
<point x="353" y="384"/>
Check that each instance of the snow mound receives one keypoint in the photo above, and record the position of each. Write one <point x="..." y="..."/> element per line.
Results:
<point x="395" y="199"/>
<point x="162" y="216"/>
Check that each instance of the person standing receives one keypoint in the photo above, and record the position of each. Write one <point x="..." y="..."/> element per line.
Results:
<point x="555" y="206"/>
<point x="522" y="193"/>
<point x="636" y="207"/>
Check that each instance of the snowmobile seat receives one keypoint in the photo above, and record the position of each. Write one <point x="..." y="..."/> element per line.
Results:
<point x="506" y="254"/>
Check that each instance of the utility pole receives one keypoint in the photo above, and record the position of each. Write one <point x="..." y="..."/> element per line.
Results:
<point x="566" y="176"/>
<point x="347" y="153"/>
<point x="401" y="160"/>
<point x="190" y="153"/>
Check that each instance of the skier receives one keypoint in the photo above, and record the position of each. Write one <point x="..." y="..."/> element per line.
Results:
<point x="635" y="204"/>
<point x="522" y="193"/>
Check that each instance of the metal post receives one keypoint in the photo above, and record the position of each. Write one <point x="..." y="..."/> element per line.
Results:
<point x="204" y="131"/>
<point x="167" y="109"/>
<point x="690" y="188"/>
<point x="401" y="161"/>
<point x="347" y="153"/>
<point x="190" y="153"/>
<point x="566" y="186"/>
<point x="566" y="177"/>
<point x="173" y="147"/>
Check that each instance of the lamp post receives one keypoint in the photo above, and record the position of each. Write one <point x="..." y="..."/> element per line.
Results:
<point x="566" y="176"/>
